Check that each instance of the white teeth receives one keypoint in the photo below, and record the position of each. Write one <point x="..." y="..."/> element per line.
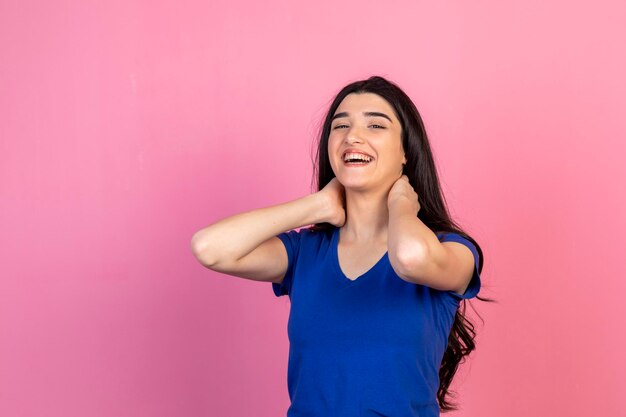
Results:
<point x="356" y="156"/>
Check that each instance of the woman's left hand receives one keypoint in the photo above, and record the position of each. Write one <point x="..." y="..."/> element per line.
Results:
<point x="403" y="191"/>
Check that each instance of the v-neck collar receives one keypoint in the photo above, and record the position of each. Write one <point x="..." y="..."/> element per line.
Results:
<point x="340" y="275"/>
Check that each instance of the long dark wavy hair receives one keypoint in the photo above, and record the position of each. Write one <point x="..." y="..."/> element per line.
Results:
<point x="422" y="173"/>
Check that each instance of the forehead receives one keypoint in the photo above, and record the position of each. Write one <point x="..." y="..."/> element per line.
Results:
<point x="355" y="103"/>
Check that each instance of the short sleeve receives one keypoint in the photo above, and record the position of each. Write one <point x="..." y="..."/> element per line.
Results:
<point x="474" y="285"/>
<point x="291" y="240"/>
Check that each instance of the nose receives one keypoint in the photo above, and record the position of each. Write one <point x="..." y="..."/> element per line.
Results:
<point x="353" y="136"/>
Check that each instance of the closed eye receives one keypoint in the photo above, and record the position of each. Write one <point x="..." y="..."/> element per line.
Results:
<point x="338" y="126"/>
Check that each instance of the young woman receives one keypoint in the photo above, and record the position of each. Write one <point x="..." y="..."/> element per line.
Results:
<point x="376" y="281"/>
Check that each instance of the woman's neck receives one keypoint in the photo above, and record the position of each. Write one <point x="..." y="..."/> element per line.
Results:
<point x="367" y="217"/>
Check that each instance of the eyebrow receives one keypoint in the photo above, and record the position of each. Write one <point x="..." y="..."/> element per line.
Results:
<point x="365" y="113"/>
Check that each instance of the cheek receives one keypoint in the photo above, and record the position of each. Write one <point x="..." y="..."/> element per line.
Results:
<point x="332" y="146"/>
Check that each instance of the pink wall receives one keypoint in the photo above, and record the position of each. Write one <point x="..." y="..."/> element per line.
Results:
<point x="127" y="126"/>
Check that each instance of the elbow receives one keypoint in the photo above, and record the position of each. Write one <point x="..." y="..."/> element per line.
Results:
<point x="412" y="258"/>
<point x="200" y="251"/>
<point x="195" y="245"/>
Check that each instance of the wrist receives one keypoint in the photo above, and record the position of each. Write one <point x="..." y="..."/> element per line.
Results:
<point x="319" y="208"/>
<point x="400" y="203"/>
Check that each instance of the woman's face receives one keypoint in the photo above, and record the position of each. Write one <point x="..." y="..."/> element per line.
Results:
<point x="378" y="135"/>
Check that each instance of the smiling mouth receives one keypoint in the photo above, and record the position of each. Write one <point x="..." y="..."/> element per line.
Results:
<point x="356" y="163"/>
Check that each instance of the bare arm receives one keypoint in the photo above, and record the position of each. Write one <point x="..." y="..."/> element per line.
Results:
<point x="230" y="239"/>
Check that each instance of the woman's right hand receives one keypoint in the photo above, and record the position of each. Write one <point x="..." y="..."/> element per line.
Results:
<point x="334" y="196"/>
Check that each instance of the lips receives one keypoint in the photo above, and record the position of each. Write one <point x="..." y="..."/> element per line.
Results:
<point x="352" y="150"/>
<point x="356" y="164"/>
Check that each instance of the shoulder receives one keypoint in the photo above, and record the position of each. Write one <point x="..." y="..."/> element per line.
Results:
<point x="459" y="238"/>
<point x="466" y="251"/>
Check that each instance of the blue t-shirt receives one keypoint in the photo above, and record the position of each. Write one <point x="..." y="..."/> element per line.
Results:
<point x="366" y="347"/>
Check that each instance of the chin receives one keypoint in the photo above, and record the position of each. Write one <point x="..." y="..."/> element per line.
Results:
<point x="355" y="185"/>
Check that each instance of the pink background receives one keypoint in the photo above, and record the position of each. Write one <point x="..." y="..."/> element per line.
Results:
<point x="127" y="126"/>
